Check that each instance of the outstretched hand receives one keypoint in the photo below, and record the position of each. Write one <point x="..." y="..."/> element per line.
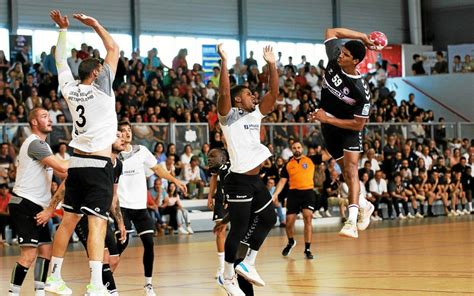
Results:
<point x="368" y="43"/>
<point x="86" y="20"/>
<point x="61" y="21"/>
<point x="221" y="52"/>
<point x="268" y="55"/>
<point x="318" y="115"/>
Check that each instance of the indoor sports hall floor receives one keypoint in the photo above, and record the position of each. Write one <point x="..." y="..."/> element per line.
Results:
<point x="419" y="257"/>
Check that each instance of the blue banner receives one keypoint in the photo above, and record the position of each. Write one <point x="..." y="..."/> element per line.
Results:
<point x="210" y="59"/>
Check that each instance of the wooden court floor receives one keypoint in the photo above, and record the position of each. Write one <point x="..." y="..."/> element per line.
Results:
<point x="421" y="257"/>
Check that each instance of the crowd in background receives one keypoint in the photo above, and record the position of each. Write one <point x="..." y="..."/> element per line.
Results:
<point x="148" y="91"/>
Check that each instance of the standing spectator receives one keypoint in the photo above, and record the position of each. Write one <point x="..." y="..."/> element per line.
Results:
<point x="23" y="57"/>
<point x="84" y="52"/>
<point x="468" y="64"/>
<point x="4" y="65"/>
<point x="417" y="66"/>
<point x="457" y="64"/>
<point x="441" y="65"/>
<point x="179" y="61"/>
<point x="73" y="61"/>
<point x="250" y="61"/>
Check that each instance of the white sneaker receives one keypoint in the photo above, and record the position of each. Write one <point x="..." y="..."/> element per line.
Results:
<point x="459" y="212"/>
<point x="148" y="290"/>
<point x="401" y="216"/>
<point x="327" y="214"/>
<point x="410" y="216"/>
<point x="219" y="273"/>
<point x="231" y="286"/>
<point x="363" y="218"/>
<point x="373" y="218"/>
<point x="114" y="293"/>
<point x="40" y="292"/>
<point x="317" y="215"/>
<point x="349" y="230"/>
<point x="418" y="215"/>
<point x="57" y="286"/>
<point x="379" y="218"/>
<point x="466" y="212"/>
<point x="182" y="230"/>
<point x="93" y="290"/>
<point x="249" y="272"/>
<point x="189" y="229"/>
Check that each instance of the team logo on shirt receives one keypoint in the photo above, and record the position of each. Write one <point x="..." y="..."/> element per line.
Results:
<point x="345" y="91"/>
<point x="305" y="166"/>
<point x="252" y="126"/>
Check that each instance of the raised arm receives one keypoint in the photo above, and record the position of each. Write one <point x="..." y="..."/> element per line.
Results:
<point x="269" y="99"/>
<point x="343" y="33"/>
<point x="113" y="51"/>
<point x="224" y="103"/>
<point x="64" y="72"/>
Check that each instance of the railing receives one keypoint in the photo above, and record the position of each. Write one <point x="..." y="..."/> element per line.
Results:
<point x="276" y="134"/>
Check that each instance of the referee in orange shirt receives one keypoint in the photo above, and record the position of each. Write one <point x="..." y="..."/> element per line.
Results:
<point x="299" y="172"/>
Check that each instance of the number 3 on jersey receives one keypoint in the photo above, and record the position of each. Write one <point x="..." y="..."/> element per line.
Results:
<point x="82" y="120"/>
<point x="336" y="80"/>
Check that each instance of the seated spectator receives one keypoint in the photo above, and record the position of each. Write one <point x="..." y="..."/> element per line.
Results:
<point x="468" y="64"/>
<point x="331" y="189"/>
<point x="192" y="178"/>
<point x="62" y="152"/>
<point x="417" y="66"/>
<point x="397" y="192"/>
<point x="364" y="190"/>
<point x="457" y="64"/>
<point x="159" y="152"/>
<point x="437" y="191"/>
<point x="170" y="206"/>
<point x="155" y="198"/>
<point x="374" y="164"/>
<point x="378" y="189"/>
<point x="458" y="193"/>
<point x="5" y="221"/>
<point x="187" y="154"/>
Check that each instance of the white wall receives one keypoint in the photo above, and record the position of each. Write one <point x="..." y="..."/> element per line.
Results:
<point x="453" y="90"/>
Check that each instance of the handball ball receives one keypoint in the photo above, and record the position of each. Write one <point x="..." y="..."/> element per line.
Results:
<point x="379" y="39"/>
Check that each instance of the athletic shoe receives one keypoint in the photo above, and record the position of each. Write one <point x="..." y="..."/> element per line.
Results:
<point x="452" y="213"/>
<point x="231" y="286"/>
<point x="148" y="290"/>
<point x="327" y="214"/>
<point x="182" y="230"/>
<point x="219" y="272"/>
<point x="349" y="230"/>
<point x="363" y="218"/>
<point x="40" y="292"/>
<point x="401" y="216"/>
<point x="379" y="218"/>
<point x="308" y="255"/>
<point x="317" y="214"/>
<point x="189" y="229"/>
<point x="459" y="212"/>
<point x="418" y="215"/>
<point x="249" y="272"/>
<point x="57" y="286"/>
<point x="220" y="280"/>
<point x="113" y="293"/>
<point x="287" y="250"/>
<point x="410" y="216"/>
<point x="466" y="212"/>
<point x="93" y="290"/>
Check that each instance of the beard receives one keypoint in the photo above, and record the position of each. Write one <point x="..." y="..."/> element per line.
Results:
<point x="297" y="154"/>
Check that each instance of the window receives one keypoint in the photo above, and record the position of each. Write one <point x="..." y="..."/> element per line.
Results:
<point x="5" y="43"/>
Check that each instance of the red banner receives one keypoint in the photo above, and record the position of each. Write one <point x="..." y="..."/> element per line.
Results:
<point x="390" y="57"/>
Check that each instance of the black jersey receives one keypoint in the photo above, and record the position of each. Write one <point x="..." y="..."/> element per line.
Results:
<point x="343" y="96"/>
<point x="117" y="170"/>
<point x="221" y="174"/>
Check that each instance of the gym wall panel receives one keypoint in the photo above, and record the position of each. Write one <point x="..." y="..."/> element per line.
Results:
<point x="283" y="19"/>
<point x="189" y="17"/>
<point x="115" y="15"/>
<point x="388" y="16"/>
<point x="3" y="13"/>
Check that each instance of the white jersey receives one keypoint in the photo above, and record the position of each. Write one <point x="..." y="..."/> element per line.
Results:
<point x="33" y="179"/>
<point x="132" y="187"/>
<point x="242" y="133"/>
<point x="93" y="110"/>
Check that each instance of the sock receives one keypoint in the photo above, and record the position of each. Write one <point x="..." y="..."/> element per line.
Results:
<point x="415" y="211"/>
<point x="463" y="206"/>
<point x="363" y="203"/>
<point x="449" y="208"/>
<point x="96" y="273"/>
<point x="307" y="246"/>
<point x="229" y="271"/>
<point x="422" y="209"/>
<point x="56" y="264"/>
<point x="41" y="272"/>
<point x="221" y="256"/>
<point x="469" y="206"/>
<point x="18" y="276"/>
<point x="148" y="281"/>
<point x="353" y="212"/>
<point x="251" y="256"/>
<point x="430" y="210"/>
<point x="108" y="278"/>
<point x="291" y="240"/>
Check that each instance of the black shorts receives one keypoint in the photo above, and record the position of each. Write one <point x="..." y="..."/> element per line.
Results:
<point x="239" y="188"/>
<point x="298" y="200"/>
<point x="89" y="185"/>
<point x="82" y="231"/>
<point x="219" y="209"/>
<point x="23" y="213"/>
<point x="339" y="140"/>
<point x="140" y="218"/>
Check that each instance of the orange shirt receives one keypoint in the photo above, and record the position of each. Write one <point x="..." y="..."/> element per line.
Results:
<point x="300" y="173"/>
